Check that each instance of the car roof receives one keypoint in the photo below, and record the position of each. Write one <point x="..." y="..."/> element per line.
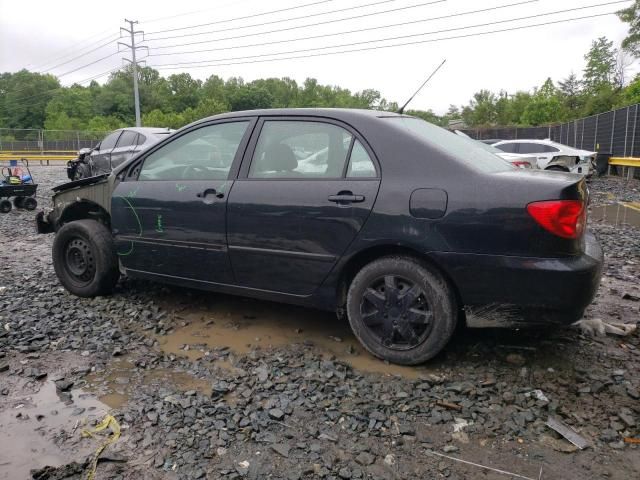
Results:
<point x="344" y="114"/>
<point x="147" y="130"/>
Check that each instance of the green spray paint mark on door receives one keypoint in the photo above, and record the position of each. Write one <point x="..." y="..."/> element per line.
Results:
<point x="159" y="226"/>
<point x="135" y="214"/>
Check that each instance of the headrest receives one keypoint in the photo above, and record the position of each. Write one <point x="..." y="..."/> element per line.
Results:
<point x="280" y="158"/>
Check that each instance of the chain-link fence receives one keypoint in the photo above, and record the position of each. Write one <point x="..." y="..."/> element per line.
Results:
<point x="47" y="141"/>
<point x="616" y="132"/>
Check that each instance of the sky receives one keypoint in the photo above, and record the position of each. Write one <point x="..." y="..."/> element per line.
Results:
<point x="58" y="38"/>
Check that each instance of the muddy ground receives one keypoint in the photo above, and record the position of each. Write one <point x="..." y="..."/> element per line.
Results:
<point x="212" y="386"/>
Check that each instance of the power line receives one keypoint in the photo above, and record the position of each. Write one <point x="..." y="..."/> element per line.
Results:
<point x="324" y="35"/>
<point x="44" y="67"/>
<point x="87" y="65"/>
<point x="72" y="50"/>
<point x="397" y="9"/>
<point x="379" y="47"/>
<point x="297" y="7"/>
<point x="399" y="37"/>
<point x="81" y="55"/>
<point x="173" y="17"/>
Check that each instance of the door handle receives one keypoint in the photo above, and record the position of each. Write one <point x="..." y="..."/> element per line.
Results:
<point x="210" y="191"/>
<point x="346" y="198"/>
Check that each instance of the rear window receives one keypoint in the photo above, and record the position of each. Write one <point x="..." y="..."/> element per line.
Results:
<point x="468" y="152"/>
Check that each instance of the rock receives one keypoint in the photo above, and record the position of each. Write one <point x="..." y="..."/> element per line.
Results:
<point x="365" y="458"/>
<point x="627" y="418"/>
<point x="276" y="414"/>
<point x="389" y="459"/>
<point x="243" y="467"/>
<point x="559" y="445"/>
<point x="281" y="448"/>
<point x="450" y="449"/>
<point x="4" y="367"/>
<point x="633" y="392"/>
<point x="344" y="473"/>
<point x="515" y="359"/>
<point x="64" y="385"/>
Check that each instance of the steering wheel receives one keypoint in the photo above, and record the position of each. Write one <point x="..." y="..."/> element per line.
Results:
<point x="191" y="172"/>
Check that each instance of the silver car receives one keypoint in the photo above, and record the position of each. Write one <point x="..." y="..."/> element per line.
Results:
<point x="120" y="145"/>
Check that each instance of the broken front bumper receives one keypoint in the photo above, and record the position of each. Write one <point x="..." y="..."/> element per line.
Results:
<point x="44" y="223"/>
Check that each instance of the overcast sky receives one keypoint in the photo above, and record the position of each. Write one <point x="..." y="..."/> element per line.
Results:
<point x="41" y="35"/>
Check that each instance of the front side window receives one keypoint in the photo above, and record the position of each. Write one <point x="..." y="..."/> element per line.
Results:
<point x="203" y="154"/>
<point x="300" y="149"/>
<point x="110" y="141"/>
<point x="550" y="149"/>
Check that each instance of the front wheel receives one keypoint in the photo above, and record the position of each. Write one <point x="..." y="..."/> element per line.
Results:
<point x="85" y="259"/>
<point x="401" y="310"/>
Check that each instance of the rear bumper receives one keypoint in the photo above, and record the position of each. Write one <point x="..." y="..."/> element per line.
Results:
<point x="506" y="290"/>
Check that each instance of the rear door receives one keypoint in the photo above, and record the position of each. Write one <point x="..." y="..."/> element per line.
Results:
<point x="101" y="157"/>
<point x="169" y="215"/>
<point x="305" y="189"/>
<point x="124" y="148"/>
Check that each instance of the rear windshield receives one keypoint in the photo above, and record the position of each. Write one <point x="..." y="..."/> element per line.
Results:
<point x="468" y="151"/>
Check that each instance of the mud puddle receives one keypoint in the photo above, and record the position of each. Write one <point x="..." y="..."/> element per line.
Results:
<point x="40" y="429"/>
<point x="218" y="324"/>
<point x="115" y="384"/>
<point x="621" y="213"/>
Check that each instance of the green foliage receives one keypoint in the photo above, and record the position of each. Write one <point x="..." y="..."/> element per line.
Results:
<point x="23" y="98"/>
<point x="631" y="15"/>
<point x="600" y="70"/>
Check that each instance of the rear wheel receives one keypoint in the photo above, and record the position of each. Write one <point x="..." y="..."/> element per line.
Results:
<point x="5" y="206"/>
<point x="30" y="203"/>
<point x="401" y="310"/>
<point x="84" y="258"/>
<point x="18" y="202"/>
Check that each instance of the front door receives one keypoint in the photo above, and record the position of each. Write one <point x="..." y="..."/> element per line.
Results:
<point x="101" y="157"/>
<point x="169" y="216"/>
<point x="297" y="206"/>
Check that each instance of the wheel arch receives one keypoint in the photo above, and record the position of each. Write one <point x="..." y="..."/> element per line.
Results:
<point x="84" y="210"/>
<point x="357" y="261"/>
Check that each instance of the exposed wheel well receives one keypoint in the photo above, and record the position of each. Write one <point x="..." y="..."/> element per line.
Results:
<point x="84" y="210"/>
<point x="367" y="256"/>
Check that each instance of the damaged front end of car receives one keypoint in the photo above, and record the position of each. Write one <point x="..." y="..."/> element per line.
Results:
<point x="85" y="198"/>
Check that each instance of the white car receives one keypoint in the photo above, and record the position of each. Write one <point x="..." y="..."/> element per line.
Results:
<point x="520" y="161"/>
<point x="551" y="155"/>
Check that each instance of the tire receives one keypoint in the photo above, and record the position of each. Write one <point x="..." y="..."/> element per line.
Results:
<point x="18" y="202"/>
<point x="5" y="206"/>
<point x="82" y="171"/>
<point x="30" y="203"/>
<point x="85" y="259"/>
<point x="385" y="330"/>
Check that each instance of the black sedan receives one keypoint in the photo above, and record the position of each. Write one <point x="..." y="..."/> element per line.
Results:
<point x="400" y="226"/>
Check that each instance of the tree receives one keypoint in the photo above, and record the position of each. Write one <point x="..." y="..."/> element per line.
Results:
<point x="544" y="106"/>
<point x="23" y="98"/>
<point x="481" y="109"/>
<point x="570" y="91"/>
<point x="631" y="15"/>
<point x="600" y="70"/>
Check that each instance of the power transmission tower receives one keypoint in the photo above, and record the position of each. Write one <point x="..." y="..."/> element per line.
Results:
<point x="134" y="63"/>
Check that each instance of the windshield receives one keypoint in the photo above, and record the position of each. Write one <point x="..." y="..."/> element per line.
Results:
<point x="469" y="151"/>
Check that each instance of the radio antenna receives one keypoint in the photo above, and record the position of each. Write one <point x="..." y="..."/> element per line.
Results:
<point x="421" y="87"/>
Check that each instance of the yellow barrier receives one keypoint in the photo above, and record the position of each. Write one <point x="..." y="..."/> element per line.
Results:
<point x="629" y="162"/>
<point x="35" y="158"/>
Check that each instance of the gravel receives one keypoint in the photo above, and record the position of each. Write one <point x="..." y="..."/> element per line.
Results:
<point x="295" y="412"/>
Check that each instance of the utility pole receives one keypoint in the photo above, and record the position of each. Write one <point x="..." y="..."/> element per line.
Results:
<point x="132" y="47"/>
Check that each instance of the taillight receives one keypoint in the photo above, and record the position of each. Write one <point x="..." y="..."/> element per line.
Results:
<point x="564" y="218"/>
<point x="520" y="164"/>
